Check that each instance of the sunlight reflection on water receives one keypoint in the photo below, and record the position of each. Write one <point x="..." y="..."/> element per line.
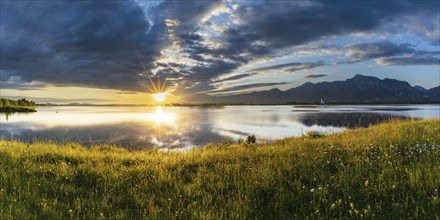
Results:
<point x="183" y="127"/>
<point x="159" y="117"/>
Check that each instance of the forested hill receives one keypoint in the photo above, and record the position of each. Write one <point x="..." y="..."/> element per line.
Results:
<point x="20" y="105"/>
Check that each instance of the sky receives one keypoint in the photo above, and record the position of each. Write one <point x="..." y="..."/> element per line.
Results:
<point x="119" y="52"/>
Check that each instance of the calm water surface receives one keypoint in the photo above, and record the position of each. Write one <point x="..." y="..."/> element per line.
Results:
<point x="184" y="127"/>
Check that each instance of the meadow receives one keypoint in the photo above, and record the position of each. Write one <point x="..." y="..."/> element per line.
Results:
<point x="391" y="170"/>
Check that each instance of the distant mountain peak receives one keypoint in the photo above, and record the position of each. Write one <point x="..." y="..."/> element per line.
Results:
<point x="358" y="89"/>
<point x="363" y="77"/>
<point x="274" y="90"/>
<point x="420" y="88"/>
<point x="308" y="84"/>
<point x="359" y="75"/>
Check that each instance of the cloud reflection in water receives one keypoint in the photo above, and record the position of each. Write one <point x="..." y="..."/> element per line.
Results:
<point x="184" y="127"/>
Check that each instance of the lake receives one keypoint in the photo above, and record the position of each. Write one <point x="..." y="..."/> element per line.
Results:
<point x="181" y="128"/>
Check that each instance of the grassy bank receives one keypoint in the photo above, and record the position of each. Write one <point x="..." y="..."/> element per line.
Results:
<point x="388" y="170"/>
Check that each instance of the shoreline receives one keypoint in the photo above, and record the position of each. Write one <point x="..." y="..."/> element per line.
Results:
<point x="13" y="109"/>
<point x="240" y="104"/>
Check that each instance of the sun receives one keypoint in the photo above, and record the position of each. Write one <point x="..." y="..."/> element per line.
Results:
<point x="159" y="97"/>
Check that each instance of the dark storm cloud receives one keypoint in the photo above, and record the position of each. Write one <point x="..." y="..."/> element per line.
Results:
<point x="281" y="24"/>
<point x="187" y="13"/>
<point x="85" y="43"/>
<point x="392" y="54"/>
<point x="366" y="51"/>
<point x="313" y="76"/>
<point x="14" y="82"/>
<point x="204" y="73"/>
<point x="236" y="77"/>
<point x="291" y="67"/>
<point x="411" y="60"/>
<point x="248" y="86"/>
<point x="188" y="87"/>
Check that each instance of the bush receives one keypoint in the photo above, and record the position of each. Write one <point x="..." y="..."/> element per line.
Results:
<point x="251" y="139"/>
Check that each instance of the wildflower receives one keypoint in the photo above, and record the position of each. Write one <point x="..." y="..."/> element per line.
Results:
<point x="312" y="190"/>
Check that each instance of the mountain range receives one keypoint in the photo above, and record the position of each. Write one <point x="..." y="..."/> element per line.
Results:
<point x="359" y="89"/>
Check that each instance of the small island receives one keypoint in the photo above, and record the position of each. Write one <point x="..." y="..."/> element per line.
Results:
<point x="20" y="105"/>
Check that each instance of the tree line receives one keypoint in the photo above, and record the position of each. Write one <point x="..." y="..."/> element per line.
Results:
<point x="16" y="103"/>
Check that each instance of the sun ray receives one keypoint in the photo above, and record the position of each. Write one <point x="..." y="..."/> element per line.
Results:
<point x="159" y="91"/>
<point x="146" y="72"/>
<point x="165" y="81"/>
<point x="158" y="82"/>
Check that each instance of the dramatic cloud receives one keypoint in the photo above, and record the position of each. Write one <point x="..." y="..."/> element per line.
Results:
<point x="367" y="51"/>
<point x="247" y="86"/>
<point x="426" y="27"/>
<point x="84" y="43"/>
<point x="313" y="76"/>
<point x="291" y="67"/>
<point x="391" y="54"/>
<point x="199" y="46"/>
<point x="236" y="77"/>
<point x="263" y="28"/>
<point x="411" y="60"/>
<point x="15" y="82"/>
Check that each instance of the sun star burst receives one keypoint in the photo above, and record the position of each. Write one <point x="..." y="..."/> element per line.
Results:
<point x="159" y="97"/>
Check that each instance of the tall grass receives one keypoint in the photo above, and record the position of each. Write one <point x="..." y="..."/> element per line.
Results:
<point x="390" y="170"/>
